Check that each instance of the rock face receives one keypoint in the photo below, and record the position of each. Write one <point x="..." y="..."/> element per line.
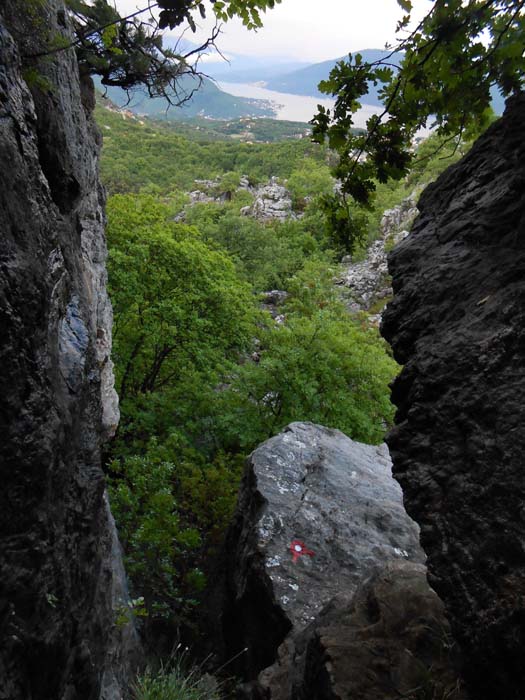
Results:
<point x="390" y="640"/>
<point x="368" y="281"/>
<point x="457" y="323"/>
<point x="59" y="564"/>
<point x="122" y="645"/>
<point x="316" y="513"/>
<point x="209" y="191"/>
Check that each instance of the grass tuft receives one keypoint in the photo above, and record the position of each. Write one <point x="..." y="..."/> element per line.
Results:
<point x="176" y="681"/>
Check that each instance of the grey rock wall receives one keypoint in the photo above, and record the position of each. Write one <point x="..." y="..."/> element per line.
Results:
<point x="457" y="324"/>
<point x="272" y="201"/>
<point x="58" y="563"/>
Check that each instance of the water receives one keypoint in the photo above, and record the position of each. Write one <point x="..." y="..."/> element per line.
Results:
<point x="296" y="108"/>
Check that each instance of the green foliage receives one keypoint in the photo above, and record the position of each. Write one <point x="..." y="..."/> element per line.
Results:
<point x="262" y="130"/>
<point x="193" y="399"/>
<point x="178" y="305"/>
<point x="193" y="403"/>
<point x="35" y="79"/>
<point x="266" y="255"/>
<point x="451" y="60"/>
<point x="181" y="319"/>
<point x="176" y="680"/>
<point x="247" y="10"/>
<point x="172" y="506"/>
<point x="345" y="225"/>
<point x="132" y="609"/>
<point x="138" y="153"/>
<point x="320" y="365"/>
<point x="309" y="179"/>
<point x="34" y="10"/>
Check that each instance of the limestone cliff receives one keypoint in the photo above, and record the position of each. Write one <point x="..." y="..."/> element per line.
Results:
<point x="457" y="323"/>
<point x="59" y="559"/>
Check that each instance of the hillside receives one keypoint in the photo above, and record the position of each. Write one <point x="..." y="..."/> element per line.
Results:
<point x="305" y="80"/>
<point x="251" y="69"/>
<point x="144" y="152"/>
<point x="235" y="67"/>
<point x="208" y="102"/>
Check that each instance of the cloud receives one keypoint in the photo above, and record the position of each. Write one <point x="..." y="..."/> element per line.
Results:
<point x="308" y="30"/>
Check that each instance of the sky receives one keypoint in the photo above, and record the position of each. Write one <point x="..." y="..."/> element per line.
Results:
<point x="309" y="30"/>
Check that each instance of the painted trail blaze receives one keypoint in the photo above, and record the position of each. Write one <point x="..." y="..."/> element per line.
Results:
<point x="299" y="549"/>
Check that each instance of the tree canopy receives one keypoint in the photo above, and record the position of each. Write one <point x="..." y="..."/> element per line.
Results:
<point x="453" y="58"/>
<point x="178" y="305"/>
<point x="128" y="52"/>
<point x="204" y="375"/>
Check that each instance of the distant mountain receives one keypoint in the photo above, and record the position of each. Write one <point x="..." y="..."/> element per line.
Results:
<point x="209" y="101"/>
<point x="248" y="69"/>
<point x="236" y="68"/>
<point x="305" y="80"/>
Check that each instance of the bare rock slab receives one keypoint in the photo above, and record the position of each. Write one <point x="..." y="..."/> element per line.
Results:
<point x="317" y="513"/>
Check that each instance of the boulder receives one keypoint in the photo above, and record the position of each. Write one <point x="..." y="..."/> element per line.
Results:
<point x="317" y="512"/>
<point x="389" y="640"/>
<point x="457" y="324"/>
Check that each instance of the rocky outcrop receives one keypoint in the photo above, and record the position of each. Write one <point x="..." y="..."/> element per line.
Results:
<point x="457" y="323"/>
<point x="317" y="512"/>
<point x="271" y="202"/>
<point x="59" y="564"/>
<point x="273" y="302"/>
<point x="390" y="640"/>
<point x="209" y="191"/>
<point x="367" y="282"/>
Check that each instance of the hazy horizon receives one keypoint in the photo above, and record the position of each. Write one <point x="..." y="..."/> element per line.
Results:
<point x="296" y="29"/>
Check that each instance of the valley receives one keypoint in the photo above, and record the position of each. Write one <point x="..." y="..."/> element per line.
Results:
<point x="262" y="350"/>
<point x="203" y="372"/>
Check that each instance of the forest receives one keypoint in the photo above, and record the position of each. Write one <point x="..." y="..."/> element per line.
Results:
<point x="262" y="388"/>
<point x="204" y="372"/>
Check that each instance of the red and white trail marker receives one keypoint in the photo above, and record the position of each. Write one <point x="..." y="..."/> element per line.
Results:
<point x="299" y="549"/>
